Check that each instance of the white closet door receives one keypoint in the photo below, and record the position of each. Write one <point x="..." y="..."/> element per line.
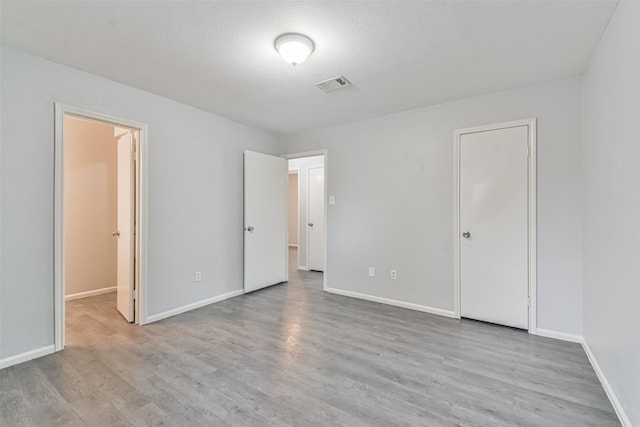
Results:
<point x="316" y="219"/>
<point x="494" y="226"/>
<point x="126" y="193"/>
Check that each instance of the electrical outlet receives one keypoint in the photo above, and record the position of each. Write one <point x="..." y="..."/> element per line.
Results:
<point x="394" y="274"/>
<point x="332" y="200"/>
<point x="372" y="272"/>
<point x="198" y="276"/>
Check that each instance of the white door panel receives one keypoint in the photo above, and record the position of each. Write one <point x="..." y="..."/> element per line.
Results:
<point x="316" y="219"/>
<point x="125" y="235"/>
<point x="494" y="211"/>
<point x="265" y="214"/>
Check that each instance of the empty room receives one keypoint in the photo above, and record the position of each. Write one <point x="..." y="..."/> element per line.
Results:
<point x="309" y="213"/>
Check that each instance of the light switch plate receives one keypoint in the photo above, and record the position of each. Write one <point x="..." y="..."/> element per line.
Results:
<point x="332" y="199"/>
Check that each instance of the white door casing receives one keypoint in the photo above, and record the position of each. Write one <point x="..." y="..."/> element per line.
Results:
<point x="315" y="226"/>
<point x="495" y="204"/>
<point x="125" y="232"/>
<point x="265" y="220"/>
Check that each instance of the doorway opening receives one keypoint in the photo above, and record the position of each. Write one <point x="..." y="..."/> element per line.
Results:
<point x="98" y="219"/>
<point x="268" y="250"/>
<point x="306" y="219"/>
<point x="293" y="210"/>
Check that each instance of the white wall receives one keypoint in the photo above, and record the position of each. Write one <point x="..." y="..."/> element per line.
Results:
<point x="195" y="193"/>
<point x="302" y="165"/>
<point x="90" y="206"/>
<point x="380" y="221"/>
<point x="611" y="110"/>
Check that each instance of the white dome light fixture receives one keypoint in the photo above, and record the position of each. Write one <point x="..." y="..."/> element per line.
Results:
<point x="294" y="48"/>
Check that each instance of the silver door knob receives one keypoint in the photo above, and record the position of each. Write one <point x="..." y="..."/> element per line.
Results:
<point x="116" y="234"/>
<point x="466" y="234"/>
<point x="249" y="229"/>
<point x="310" y="224"/>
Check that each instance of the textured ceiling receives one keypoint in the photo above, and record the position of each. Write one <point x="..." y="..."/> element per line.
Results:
<point x="219" y="56"/>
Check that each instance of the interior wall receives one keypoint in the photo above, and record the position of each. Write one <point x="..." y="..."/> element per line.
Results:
<point x="378" y="220"/>
<point x="302" y="165"/>
<point x="293" y="209"/>
<point x="195" y="193"/>
<point x="611" y="108"/>
<point x="90" y="206"/>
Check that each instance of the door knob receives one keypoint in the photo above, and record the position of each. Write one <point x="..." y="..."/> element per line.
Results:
<point x="249" y="229"/>
<point x="310" y="224"/>
<point x="116" y="234"/>
<point x="466" y="234"/>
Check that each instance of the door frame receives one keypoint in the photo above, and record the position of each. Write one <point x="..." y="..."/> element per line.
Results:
<point x="325" y="154"/>
<point x="141" y="214"/>
<point x="532" y="198"/>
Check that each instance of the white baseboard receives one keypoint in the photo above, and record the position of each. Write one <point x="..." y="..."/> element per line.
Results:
<point x="622" y="415"/>
<point x="90" y="293"/>
<point x="558" y="335"/>
<point x="26" y="356"/>
<point x="189" y="307"/>
<point x="410" y="306"/>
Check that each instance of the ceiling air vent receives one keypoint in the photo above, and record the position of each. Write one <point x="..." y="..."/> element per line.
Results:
<point x="333" y="83"/>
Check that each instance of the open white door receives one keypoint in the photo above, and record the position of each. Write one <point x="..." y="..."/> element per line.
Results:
<point x="265" y="220"/>
<point x="125" y="235"/>
<point x="316" y="219"/>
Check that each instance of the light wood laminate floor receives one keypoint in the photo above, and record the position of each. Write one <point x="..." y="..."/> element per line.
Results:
<point x="294" y="355"/>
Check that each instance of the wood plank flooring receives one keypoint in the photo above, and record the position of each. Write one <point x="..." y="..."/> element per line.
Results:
<point x="292" y="355"/>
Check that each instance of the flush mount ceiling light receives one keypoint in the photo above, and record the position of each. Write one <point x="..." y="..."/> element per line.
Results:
<point x="294" y="48"/>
